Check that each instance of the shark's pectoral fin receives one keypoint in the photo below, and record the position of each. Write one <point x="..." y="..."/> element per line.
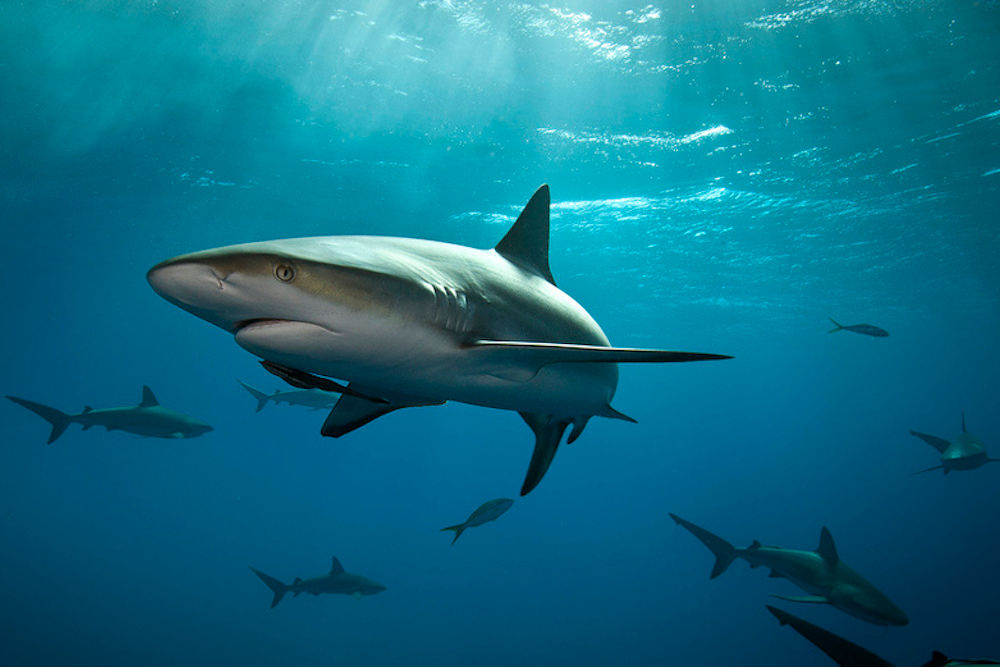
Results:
<point x="352" y="412"/>
<point x="937" y="443"/>
<point x="548" y="432"/>
<point x="919" y="472"/>
<point x="529" y="356"/>
<point x="810" y="599"/>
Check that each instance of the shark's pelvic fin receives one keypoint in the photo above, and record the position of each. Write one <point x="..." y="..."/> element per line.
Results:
<point x="148" y="398"/>
<point x="808" y="599"/>
<point x="527" y="242"/>
<point x="548" y="432"/>
<point x="827" y="549"/>
<point x="725" y="553"/>
<point x="335" y="566"/>
<point x="279" y="589"/>
<point x="840" y="650"/>
<point x="937" y="443"/>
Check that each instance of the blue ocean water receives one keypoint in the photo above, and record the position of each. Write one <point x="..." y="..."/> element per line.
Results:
<point x="725" y="177"/>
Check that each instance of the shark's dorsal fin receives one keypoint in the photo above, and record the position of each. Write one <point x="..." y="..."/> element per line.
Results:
<point x="336" y="567"/>
<point x="527" y="242"/>
<point x="87" y="409"/>
<point x="148" y="398"/>
<point x="298" y="580"/>
<point x="827" y="550"/>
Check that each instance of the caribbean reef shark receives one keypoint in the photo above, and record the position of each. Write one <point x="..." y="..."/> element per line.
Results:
<point x="148" y="418"/>
<point x="411" y="322"/>
<point x="310" y="398"/>
<point x="488" y="511"/>
<point x="337" y="580"/>
<point x="848" y="654"/>
<point x="965" y="452"/>
<point x="820" y="573"/>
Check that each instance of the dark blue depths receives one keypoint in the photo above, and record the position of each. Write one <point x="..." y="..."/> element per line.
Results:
<point x="725" y="177"/>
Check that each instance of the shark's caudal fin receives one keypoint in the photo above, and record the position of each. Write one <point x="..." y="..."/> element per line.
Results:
<point x="59" y="420"/>
<point x="841" y="651"/>
<point x="279" y="589"/>
<point x="527" y="242"/>
<point x="458" y="528"/>
<point x="725" y="553"/>
<point x="839" y="327"/>
<point x="548" y="433"/>
<point x="261" y="397"/>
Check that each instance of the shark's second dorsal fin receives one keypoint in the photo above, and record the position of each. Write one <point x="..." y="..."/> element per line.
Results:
<point x="336" y="567"/>
<point x="148" y="398"/>
<point x="827" y="550"/>
<point x="527" y="242"/>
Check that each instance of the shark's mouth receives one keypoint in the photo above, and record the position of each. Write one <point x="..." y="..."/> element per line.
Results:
<point x="244" y="326"/>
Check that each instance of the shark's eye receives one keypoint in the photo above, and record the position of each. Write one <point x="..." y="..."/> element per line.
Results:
<point x="284" y="272"/>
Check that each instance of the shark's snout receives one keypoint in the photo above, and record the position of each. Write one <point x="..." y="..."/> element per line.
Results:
<point x="184" y="283"/>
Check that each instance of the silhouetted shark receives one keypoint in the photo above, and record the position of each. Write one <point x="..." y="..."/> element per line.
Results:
<point x="148" y="418"/>
<point x="488" y="511"/>
<point x="337" y="580"/>
<point x="820" y="573"/>
<point x="965" y="452"/>
<point x="315" y="399"/>
<point x="412" y="322"/>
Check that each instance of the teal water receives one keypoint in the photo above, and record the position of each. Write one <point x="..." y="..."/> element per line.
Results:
<point x="725" y="176"/>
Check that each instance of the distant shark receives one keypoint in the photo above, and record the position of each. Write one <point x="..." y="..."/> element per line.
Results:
<point x="820" y="573"/>
<point x="337" y="580"/>
<point x="148" y="418"/>
<point x="848" y="654"/>
<point x="866" y="329"/>
<point x="310" y="398"/>
<point x="488" y="511"/>
<point x="965" y="452"/>
<point x="412" y="322"/>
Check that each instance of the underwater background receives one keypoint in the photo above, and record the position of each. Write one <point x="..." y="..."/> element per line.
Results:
<point x="725" y="176"/>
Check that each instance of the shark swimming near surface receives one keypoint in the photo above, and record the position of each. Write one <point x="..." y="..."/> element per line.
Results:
<point x="149" y="419"/>
<point x="848" y="654"/>
<point x="315" y="399"/>
<point x="488" y="511"/>
<point x="866" y="329"/>
<point x="337" y="580"/>
<point x="821" y="573"/>
<point x="965" y="452"/>
<point x="410" y="322"/>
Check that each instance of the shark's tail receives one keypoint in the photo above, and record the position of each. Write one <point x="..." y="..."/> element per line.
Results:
<point x="59" y="420"/>
<point x="279" y="589"/>
<point x="459" y="529"/>
<point x="837" y="324"/>
<point x="259" y="395"/>
<point x="725" y="553"/>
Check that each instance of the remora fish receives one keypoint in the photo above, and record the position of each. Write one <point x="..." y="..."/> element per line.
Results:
<point x="820" y="573"/>
<point x="488" y="511"/>
<point x="149" y="418"/>
<point x="411" y="322"/>
<point x="315" y="399"/>
<point x="866" y="329"/>
<point x="337" y="580"/>
<point x="965" y="452"/>
<point x="848" y="654"/>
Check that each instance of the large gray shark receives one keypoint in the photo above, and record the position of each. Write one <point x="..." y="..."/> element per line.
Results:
<point x="337" y="580"/>
<point x="315" y="399"/>
<point x="848" y="654"/>
<point x="488" y="511"/>
<point x="820" y="573"/>
<point x="412" y="322"/>
<point x="149" y="418"/>
<point x="965" y="452"/>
